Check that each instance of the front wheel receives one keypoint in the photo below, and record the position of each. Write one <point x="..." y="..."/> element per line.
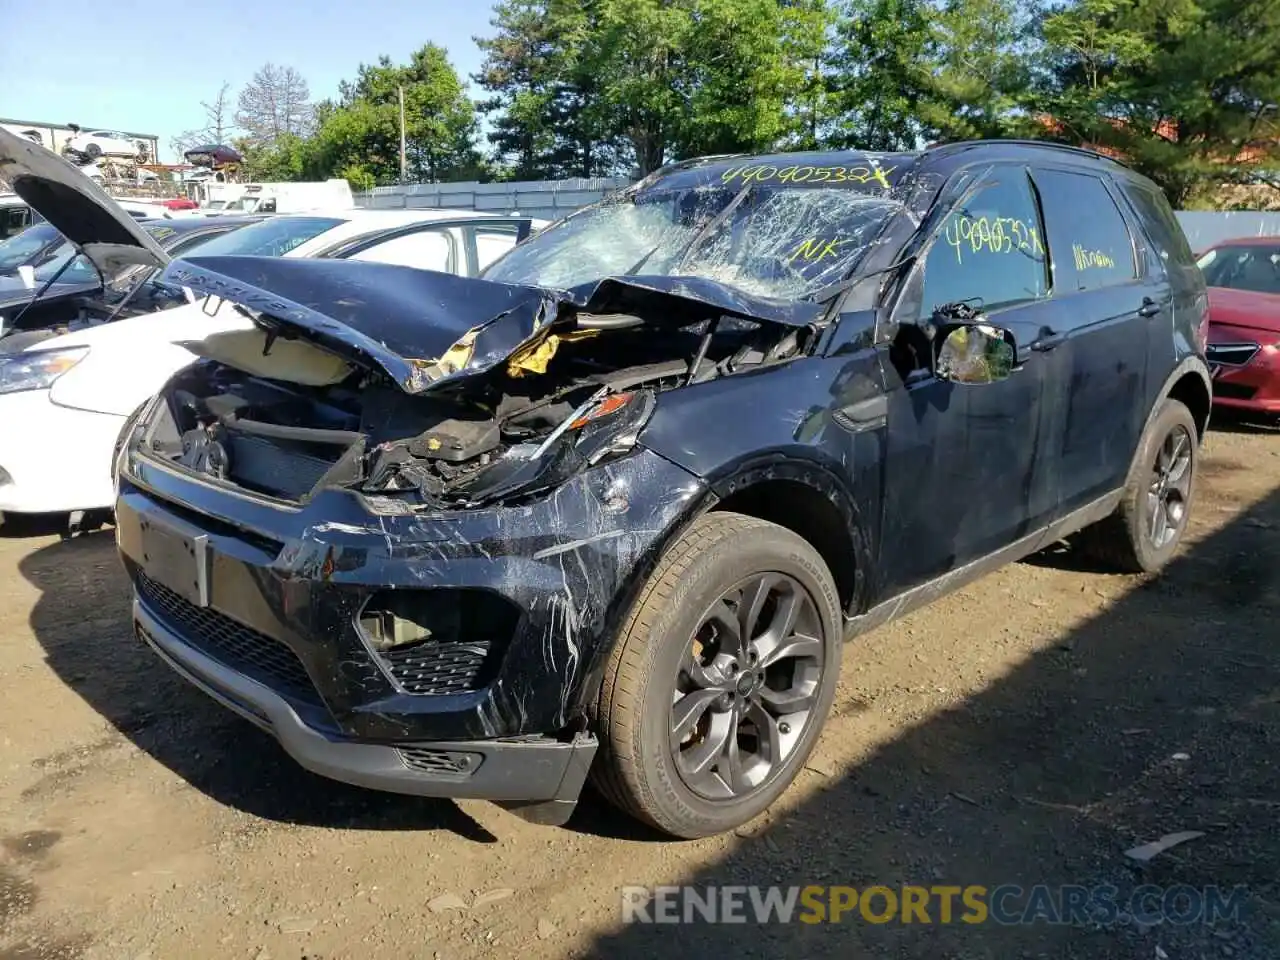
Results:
<point x="92" y="151"/>
<point x="718" y="687"/>
<point x="1144" y="532"/>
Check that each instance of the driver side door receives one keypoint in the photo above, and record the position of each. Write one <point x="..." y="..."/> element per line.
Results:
<point x="969" y="466"/>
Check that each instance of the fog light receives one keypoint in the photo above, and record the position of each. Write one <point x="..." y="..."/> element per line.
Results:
<point x="439" y="641"/>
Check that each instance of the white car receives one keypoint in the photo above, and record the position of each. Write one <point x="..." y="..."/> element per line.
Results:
<point x="107" y="143"/>
<point x="65" y="400"/>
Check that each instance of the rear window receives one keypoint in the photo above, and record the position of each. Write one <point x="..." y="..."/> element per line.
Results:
<point x="269" y="238"/>
<point x="1161" y="224"/>
<point x="1089" y="243"/>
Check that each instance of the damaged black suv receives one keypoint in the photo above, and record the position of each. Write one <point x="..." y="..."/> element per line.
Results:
<point x="611" y="509"/>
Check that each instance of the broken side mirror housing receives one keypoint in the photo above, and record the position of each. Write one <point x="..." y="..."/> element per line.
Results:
<point x="975" y="353"/>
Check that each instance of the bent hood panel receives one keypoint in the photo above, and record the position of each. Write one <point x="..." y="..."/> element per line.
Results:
<point x="76" y="206"/>
<point x="422" y="327"/>
<point x="417" y="326"/>
<point x="684" y="295"/>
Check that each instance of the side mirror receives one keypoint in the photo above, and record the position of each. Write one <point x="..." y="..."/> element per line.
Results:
<point x="976" y="353"/>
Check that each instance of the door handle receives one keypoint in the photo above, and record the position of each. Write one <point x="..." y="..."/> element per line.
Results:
<point x="1048" y="341"/>
<point x="1149" y="308"/>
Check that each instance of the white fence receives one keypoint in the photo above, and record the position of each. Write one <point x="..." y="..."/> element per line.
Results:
<point x="547" y="199"/>
<point x="1205" y="228"/>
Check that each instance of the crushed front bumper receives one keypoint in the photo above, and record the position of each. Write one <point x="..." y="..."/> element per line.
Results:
<point x="260" y="607"/>
<point x="538" y="777"/>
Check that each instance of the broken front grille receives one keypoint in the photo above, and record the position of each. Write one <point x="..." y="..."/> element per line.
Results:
<point x="440" y="762"/>
<point x="439" y="668"/>
<point x="1231" y="354"/>
<point x="439" y="641"/>
<point x="232" y="644"/>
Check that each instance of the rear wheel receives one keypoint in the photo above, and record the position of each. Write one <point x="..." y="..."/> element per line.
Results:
<point x="92" y="151"/>
<point x="722" y="678"/>
<point x="1144" y="532"/>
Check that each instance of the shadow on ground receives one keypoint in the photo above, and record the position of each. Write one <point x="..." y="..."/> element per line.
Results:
<point x="1160" y="715"/>
<point x="1045" y="777"/>
<point x="82" y="620"/>
<point x="1235" y="421"/>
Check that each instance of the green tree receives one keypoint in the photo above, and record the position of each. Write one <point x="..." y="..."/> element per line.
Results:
<point x="440" y="123"/>
<point x="880" y="73"/>
<point x="521" y="74"/>
<point x="980" y="71"/>
<point x="358" y="136"/>
<point x="904" y="72"/>
<point x="680" y="78"/>
<point x="806" y="25"/>
<point x="282" y="160"/>
<point x="1186" y="90"/>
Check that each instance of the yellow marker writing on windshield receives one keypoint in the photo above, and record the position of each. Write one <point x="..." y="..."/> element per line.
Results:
<point x="767" y="173"/>
<point x="816" y="249"/>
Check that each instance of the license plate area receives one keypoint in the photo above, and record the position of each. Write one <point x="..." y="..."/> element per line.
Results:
<point x="173" y="557"/>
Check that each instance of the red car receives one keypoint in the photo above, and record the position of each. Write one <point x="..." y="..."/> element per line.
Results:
<point x="1243" y="277"/>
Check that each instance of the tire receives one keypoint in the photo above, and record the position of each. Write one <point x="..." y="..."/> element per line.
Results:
<point x="92" y="151"/>
<point x="1124" y="540"/>
<point x="640" y="769"/>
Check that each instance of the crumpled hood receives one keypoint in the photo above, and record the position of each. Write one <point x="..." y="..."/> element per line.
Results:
<point x="422" y="327"/>
<point x="76" y="206"/>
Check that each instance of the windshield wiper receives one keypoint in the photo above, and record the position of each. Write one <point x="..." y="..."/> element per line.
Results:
<point x="643" y="260"/>
<point x="713" y="224"/>
<point x="832" y="290"/>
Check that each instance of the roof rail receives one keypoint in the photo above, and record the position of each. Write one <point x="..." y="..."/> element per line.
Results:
<point x="1022" y="142"/>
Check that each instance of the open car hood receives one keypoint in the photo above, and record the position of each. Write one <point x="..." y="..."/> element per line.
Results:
<point x="76" y="206"/>
<point x="423" y="328"/>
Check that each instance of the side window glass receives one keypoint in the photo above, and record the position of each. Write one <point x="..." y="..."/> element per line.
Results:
<point x="426" y="250"/>
<point x="12" y="221"/>
<point x="1088" y="238"/>
<point x="1166" y="233"/>
<point x="492" y="242"/>
<point x="989" y="249"/>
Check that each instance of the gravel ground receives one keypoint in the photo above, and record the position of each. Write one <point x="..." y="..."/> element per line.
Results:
<point x="1029" y="729"/>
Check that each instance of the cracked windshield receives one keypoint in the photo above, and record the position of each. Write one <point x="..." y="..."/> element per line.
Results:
<point x="785" y="242"/>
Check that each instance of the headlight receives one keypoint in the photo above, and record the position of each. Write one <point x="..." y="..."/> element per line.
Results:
<point x="37" y="369"/>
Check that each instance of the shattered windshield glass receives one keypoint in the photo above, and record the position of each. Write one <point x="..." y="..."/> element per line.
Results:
<point x="771" y="240"/>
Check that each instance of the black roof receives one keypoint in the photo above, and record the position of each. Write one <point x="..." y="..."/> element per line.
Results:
<point x="851" y="168"/>
<point x="868" y="168"/>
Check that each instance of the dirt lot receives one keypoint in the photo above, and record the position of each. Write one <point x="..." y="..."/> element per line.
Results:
<point x="1028" y="729"/>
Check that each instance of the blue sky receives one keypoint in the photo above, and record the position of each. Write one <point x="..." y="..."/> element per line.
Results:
<point x="145" y="66"/>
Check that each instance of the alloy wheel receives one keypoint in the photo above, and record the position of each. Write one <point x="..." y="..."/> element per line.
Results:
<point x="1170" y="488"/>
<point x="747" y="687"/>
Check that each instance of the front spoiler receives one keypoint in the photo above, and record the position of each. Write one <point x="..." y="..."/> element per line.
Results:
<point x="538" y="779"/>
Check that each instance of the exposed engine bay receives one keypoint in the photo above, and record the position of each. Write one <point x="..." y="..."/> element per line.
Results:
<point x="572" y="397"/>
